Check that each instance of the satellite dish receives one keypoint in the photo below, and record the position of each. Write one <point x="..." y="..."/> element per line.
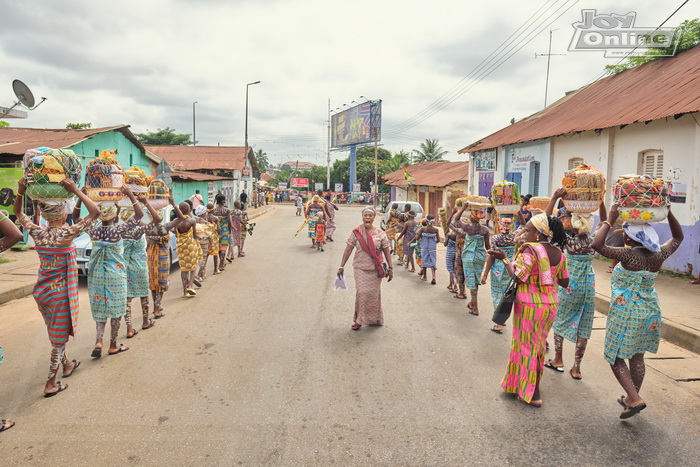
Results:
<point x="24" y="95"/>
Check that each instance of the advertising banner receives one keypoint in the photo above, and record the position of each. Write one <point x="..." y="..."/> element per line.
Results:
<point x="356" y="187"/>
<point x="246" y="173"/>
<point x="356" y="125"/>
<point x="338" y="187"/>
<point x="299" y="182"/>
<point x="282" y="185"/>
<point x="318" y="186"/>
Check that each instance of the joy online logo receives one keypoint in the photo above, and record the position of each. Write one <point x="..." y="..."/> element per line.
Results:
<point x="616" y="34"/>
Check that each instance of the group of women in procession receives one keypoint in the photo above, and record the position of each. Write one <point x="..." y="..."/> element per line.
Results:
<point x="130" y="259"/>
<point x="549" y="257"/>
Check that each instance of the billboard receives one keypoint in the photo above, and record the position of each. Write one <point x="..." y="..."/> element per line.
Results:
<point x="299" y="182"/>
<point x="357" y="125"/>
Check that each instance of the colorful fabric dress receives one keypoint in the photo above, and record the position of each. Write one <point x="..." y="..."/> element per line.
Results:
<point x="236" y="227"/>
<point x="136" y="260"/>
<point x="428" y="249"/>
<point x="534" y="311"/>
<point x="577" y="301"/>
<point x="391" y="232"/>
<point x="107" y="280"/>
<point x="321" y="233"/>
<point x="399" y="245"/>
<point x="450" y="255"/>
<point x="330" y="222"/>
<point x="189" y="251"/>
<point x="368" y="292"/>
<point x="473" y="260"/>
<point x="158" y="253"/>
<point x="499" y="278"/>
<point x="56" y="291"/>
<point x="458" y="266"/>
<point x="313" y="217"/>
<point x="634" y="321"/>
<point x="224" y="232"/>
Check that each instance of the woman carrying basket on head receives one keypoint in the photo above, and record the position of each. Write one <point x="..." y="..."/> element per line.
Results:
<point x="56" y="289"/>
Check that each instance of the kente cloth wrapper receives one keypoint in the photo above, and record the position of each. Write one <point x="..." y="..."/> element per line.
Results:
<point x="541" y="223"/>
<point x="577" y="301"/>
<point x="107" y="280"/>
<point x="313" y="217"/>
<point x="499" y="276"/>
<point x="450" y="256"/>
<point x="56" y="291"/>
<point x="320" y="233"/>
<point x="224" y="233"/>
<point x="644" y="234"/>
<point x="429" y="249"/>
<point x="136" y="261"/>
<point x="417" y="254"/>
<point x="237" y="228"/>
<point x="473" y="260"/>
<point x="459" y="268"/>
<point x="534" y="312"/>
<point x="634" y="321"/>
<point x="188" y="251"/>
<point x="158" y="263"/>
<point x="213" y="244"/>
<point x="340" y="283"/>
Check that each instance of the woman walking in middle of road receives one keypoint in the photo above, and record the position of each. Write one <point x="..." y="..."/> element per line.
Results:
<point x="476" y="242"/>
<point x="429" y="237"/>
<point x="505" y="241"/>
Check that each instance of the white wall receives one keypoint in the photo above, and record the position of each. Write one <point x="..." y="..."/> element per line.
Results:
<point x="539" y="151"/>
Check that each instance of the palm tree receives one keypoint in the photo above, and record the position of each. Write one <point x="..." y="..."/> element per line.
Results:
<point x="261" y="159"/>
<point x="430" y="151"/>
<point x="397" y="162"/>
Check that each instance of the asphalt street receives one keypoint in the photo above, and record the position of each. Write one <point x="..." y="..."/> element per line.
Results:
<point x="262" y="368"/>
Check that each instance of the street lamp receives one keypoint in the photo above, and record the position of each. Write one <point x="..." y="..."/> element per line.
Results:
<point x="246" y="117"/>
<point x="194" y="131"/>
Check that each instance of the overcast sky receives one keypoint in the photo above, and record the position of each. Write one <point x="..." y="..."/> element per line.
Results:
<point x="144" y="63"/>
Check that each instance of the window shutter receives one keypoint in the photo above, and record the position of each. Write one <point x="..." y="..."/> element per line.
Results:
<point x="575" y="162"/>
<point x="653" y="164"/>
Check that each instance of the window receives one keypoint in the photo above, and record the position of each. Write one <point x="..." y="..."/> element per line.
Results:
<point x="652" y="163"/>
<point x="575" y="162"/>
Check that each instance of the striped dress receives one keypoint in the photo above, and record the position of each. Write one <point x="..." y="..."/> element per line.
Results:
<point x="56" y="291"/>
<point x="450" y="256"/>
<point x="224" y="232"/>
<point x="473" y="260"/>
<point x="429" y="250"/>
<point x="534" y="311"/>
<point x="158" y="252"/>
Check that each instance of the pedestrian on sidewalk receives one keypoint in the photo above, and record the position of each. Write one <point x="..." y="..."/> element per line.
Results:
<point x="107" y="271"/>
<point x="136" y="260"/>
<point x="158" y="252"/>
<point x="369" y="243"/>
<point x="538" y="267"/>
<point x="243" y="198"/>
<point x="504" y="241"/>
<point x="476" y="243"/>
<point x="574" y="319"/>
<point x="634" y="322"/>
<point x="56" y="289"/>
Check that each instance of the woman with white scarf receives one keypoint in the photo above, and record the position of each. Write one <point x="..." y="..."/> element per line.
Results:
<point x="634" y="320"/>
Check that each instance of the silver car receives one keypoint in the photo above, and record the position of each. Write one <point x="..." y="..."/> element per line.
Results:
<point x="414" y="206"/>
<point x="83" y="244"/>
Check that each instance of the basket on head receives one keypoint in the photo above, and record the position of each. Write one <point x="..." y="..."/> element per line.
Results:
<point x="478" y="202"/>
<point x="505" y="197"/>
<point x="540" y="203"/>
<point x="44" y="169"/>
<point x="158" y="194"/>
<point x="104" y="178"/>
<point x="585" y="187"/>
<point x="136" y="180"/>
<point x="641" y="199"/>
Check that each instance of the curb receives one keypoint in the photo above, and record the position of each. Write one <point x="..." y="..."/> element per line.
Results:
<point x="671" y="332"/>
<point x="13" y="294"/>
<point x="258" y="214"/>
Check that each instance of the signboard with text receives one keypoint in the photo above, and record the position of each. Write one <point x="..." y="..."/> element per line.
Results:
<point x="299" y="182"/>
<point x="318" y="186"/>
<point x="356" y="187"/>
<point x="282" y="185"/>
<point x="338" y="187"/>
<point x="485" y="160"/>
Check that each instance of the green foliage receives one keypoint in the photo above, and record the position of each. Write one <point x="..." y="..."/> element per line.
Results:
<point x="687" y="37"/>
<point x="4" y="124"/>
<point x="261" y="159"/>
<point x="78" y="126"/>
<point x="430" y="151"/>
<point x="164" y="137"/>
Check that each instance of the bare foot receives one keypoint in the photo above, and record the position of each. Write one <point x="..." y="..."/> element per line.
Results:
<point x="696" y="281"/>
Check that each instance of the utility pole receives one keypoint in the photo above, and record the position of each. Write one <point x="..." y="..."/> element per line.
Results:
<point x="549" y="58"/>
<point x="194" y="131"/>
<point x="376" y="150"/>
<point x="328" y="160"/>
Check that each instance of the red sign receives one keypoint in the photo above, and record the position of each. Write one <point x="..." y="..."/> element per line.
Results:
<point x="299" y="182"/>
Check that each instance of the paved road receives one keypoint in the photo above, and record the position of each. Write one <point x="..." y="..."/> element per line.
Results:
<point x="262" y="369"/>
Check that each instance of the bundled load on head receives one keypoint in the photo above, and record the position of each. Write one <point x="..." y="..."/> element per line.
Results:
<point x="585" y="188"/>
<point x="158" y="194"/>
<point x="475" y="202"/>
<point x="442" y="215"/>
<point x="641" y="199"/>
<point x="45" y="169"/>
<point x="538" y="204"/>
<point x="104" y="178"/>
<point x="136" y="180"/>
<point x="505" y="197"/>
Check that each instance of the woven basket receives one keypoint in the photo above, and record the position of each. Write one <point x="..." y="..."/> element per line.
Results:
<point x="478" y="202"/>
<point x="638" y="191"/>
<point x="581" y="206"/>
<point x="540" y="202"/>
<point x="104" y="194"/>
<point x="642" y="215"/>
<point x="45" y="168"/>
<point x="505" y="193"/>
<point x="584" y="183"/>
<point x="158" y="190"/>
<point x="507" y="208"/>
<point x="48" y="192"/>
<point x="103" y="178"/>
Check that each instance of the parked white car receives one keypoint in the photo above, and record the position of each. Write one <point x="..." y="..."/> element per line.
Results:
<point x="83" y="244"/>
<point x="414" y="206"/>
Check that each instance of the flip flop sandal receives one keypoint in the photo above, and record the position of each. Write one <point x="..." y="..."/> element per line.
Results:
<point x="621" y="401"/>
<point x="355" y="326"/>
<point x="475" y="313"/>
<point x="548" y="364"/>
<point x="60" y="389"/>
<point x="6" y="426"/>
<point x="497" y="331"/>
<point x="133" y="335"/>
<point x="76" y="365"/>
<point x="191" y="292"/>
<point x="159" y="316"/>
<point x="197" y="283"/>
<point x="96" y="353"/>
<point x="151" y="323"/>
<point x="122" y="348"/>
<point x="632" y="410"/>
<point x="460" y="298"/>
<point x="432" y="282"/>
<point x="571" y="372"/>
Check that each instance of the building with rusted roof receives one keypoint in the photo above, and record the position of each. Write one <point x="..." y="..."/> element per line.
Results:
<point x="644" y="120"/>
<point x="209" y="169"/>
<point x="432" y="184"/>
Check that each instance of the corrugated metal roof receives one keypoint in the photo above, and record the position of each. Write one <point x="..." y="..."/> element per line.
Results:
<point x="196" y="176"/>
<point x="15" y="141"/>
<point x="661" y="88"/>
<point x="430" y="174"/>
<point x="202" y="157"/>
